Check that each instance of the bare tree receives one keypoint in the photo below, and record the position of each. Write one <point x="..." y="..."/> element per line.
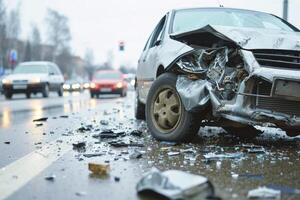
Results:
<point x="28" y="52"/>
<point x="58" y="31"/>
<point x="89" y="62"/>
<point x="35" y="39"/>
<point x="14" y="24"/>
<point x="2" y="32"/>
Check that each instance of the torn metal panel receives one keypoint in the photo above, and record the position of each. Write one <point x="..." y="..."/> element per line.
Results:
<point x="246" y="38"/>
<point x="175" y="184"/>
<point x="193" y="93"/>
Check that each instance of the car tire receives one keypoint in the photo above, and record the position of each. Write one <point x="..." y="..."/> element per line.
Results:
<point x="166" y="116"/>
<point x="139" y="108"/>
<point x="8" y="95"/>
<point x="60" y="91"/>
<point x="45" y="91"/>
<point x="28" y="95"/>
<point x="247" y="132"/>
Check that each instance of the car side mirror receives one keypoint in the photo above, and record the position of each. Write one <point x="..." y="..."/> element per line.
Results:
<point x="51" y="73"/>
<point x="157" y="43"/>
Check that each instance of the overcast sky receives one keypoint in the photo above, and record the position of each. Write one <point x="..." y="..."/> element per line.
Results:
<point x="101" y="24"/>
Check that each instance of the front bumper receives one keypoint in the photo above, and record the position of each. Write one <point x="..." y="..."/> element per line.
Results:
<point x="23" y="88"/>
<point x="274" y="98"/>
<point x="106" y="90"/>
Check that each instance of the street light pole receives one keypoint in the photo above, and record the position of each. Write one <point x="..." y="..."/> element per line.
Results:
<point x="285" y="9"/>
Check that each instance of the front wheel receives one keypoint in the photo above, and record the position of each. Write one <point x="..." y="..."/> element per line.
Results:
<point x="8" y="95"/>
<point x="45" y="91"/>
<point x="60" y="91"/>
<point x="166" y="116"/>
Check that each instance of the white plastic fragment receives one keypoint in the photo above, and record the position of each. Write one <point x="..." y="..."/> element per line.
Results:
<point x="264" y="193"/>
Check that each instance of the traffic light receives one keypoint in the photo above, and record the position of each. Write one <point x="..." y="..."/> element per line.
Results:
<point x="121" y="46"/>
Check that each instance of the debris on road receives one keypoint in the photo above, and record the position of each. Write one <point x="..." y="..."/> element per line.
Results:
<point x="7" y="142"/>
<point x="104" y="122"/>
<point x="79" y="145"/>
<point x="39" y="124"/>
<point x="137" y="133"/>
<point x="89" y="155"/>
<point x="173" y="153"/>
<point x="117" y="179"/>
<point x="64" y="116"/>
<point x="83" y="129"/>
<point x="119" y="143"/>
<point x="175" y="184"/>
<point x="108" y="134"/>
<point x="99" y="169"/>
<point x="50" y="177"/>
<point x="80" y="194"/>
<point x="264" y="193"/>
<point x="43" y="119"/>
<point x="219" y="156"/>
<point x="136" y="155"/>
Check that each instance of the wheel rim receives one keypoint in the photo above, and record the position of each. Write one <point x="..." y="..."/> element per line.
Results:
<point x="166" y="110"/>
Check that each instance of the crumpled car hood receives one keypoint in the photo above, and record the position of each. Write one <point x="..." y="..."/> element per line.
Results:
<point x="246" y="38"/>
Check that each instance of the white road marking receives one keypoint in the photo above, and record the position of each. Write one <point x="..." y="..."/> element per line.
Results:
<point x="17" y="174"/>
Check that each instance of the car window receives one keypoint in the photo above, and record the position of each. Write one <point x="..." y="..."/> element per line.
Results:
<point x="51" y="69"/>
<point x="191" y="19"/>
<point x="158" y="31"/>
<point x="108" y="75"/>
<point x="147" y="43"/>
<point x="56" y="69"/>
<point x="30" y="69"/>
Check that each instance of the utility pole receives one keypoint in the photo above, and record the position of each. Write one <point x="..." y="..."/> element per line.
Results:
<point x="285" y="9"/>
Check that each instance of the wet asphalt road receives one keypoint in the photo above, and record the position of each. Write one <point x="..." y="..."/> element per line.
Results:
<point x="29" y="152"/>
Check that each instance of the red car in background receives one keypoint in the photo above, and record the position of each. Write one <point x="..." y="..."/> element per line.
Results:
<point x="108" y="82"/>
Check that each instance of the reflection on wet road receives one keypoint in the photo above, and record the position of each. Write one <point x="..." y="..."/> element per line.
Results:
<point x="233" y="166"/>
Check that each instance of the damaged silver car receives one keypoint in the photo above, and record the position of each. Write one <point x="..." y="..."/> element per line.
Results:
<point x="224" y="67"/>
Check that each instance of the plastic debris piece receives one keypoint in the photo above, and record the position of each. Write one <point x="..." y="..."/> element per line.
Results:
<point x="43" y="119"/>
<point x="123" y="144"/>
<point x="39" y="124"/>
<point x="99" y="169"/>
<point x="79" y="145"/>
<point x="173" y="153"/>
<point x="264" y="193"/>
<point x="175" y="184"/>
<point x="7" y="142"/>
<point x="84" y="129"/>
<point x="109" y="134"/>
<point x="215" y="156"/>
<point x="89" y="155"/>
<point x="136" y="155"/>
<point x="117" y="179"/>
<point x="64" y="116"/>
<point x="104" y="122"/>
<point x="137" y="133"/>
<point x="80" y="194"/>
<point x="50" y="177"/>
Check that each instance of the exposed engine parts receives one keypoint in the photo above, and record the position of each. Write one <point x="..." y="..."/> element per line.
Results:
<point x="222" y="67"/>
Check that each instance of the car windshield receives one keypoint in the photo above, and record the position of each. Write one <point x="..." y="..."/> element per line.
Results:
<point x="30" y="69"/>
<point x="191" y="19"/>
<point x="107" y="75"/>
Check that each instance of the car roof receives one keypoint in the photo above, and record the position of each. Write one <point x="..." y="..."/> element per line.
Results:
<point x="219" y="8"/>
<point x="36" y="63"/>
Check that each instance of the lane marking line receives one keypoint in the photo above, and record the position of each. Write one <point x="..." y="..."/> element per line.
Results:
<point x="17" y="174"/>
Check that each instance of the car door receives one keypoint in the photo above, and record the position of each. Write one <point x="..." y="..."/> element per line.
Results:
<point x="148" y="61"/>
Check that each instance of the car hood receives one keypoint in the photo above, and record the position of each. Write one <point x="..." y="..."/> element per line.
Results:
<point x="25" y="76"/>
<point x="246" y="38"/>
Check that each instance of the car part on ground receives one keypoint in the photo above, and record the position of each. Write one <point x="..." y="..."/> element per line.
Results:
<point x="175" y="184"/>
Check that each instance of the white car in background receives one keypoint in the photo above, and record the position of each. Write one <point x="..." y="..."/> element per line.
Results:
<point x="34" y="77"/>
